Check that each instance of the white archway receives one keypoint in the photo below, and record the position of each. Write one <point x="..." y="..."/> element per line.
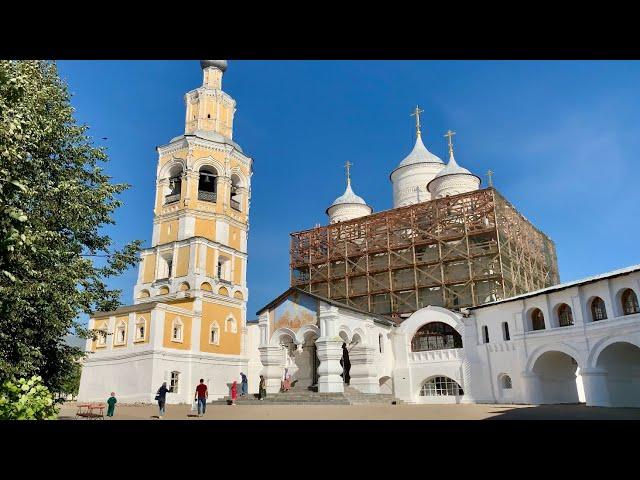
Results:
<point x="620" y="361"/>
<point x="556" y="372"/>
<point x="431" y="314"/>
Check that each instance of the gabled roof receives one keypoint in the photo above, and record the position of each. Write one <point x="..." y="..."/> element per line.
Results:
<point x="564" y="286"/>
<point x="376" y="317"/>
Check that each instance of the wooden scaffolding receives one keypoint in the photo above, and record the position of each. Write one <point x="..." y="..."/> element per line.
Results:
<point x="454" y="252"/>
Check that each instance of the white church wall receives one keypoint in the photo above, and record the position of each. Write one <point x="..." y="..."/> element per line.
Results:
<point x="551" y="380"/>
<point x="129" y="377"/>
<point x="254" y="365"/>
<point x="416" y="368"/>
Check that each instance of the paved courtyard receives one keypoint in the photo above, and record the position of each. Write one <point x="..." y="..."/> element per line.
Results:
<point x="369" y="412"/>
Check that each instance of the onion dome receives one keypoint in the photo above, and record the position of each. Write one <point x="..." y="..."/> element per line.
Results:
<point x="452" y="179"/>
<point x="348" y="205"/>
<point x="348" y="197"/>
<point x="219" y="64"/>
<point x="419" y="154"/>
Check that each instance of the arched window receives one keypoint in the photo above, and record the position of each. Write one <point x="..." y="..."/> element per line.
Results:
<point x="165" y="266"/>
<point x="485" y="334"/>
<point x="208" y="184"/>
<point x="435" y="336"/>
<point x="629" y="302"/>
<point x="121" y="333"/>
<point x="235" y="196"/>
<point x="175" y="185"/>
<point x="537" y="319"/>
<point x="140" y="329"/>
<point x="176" y="330"/>
<point x="231" y="325"/>
<point x="223" y="270"/>
<point x="598" y="310"/>
<point x="381" y="343"/>
<point x="440" y="386"/>
<point x="214" y="334"/>
<point x="505" y="332"/>
<point x="102" y="336"/>
<point x="143" y="294"/>
<point x="505" y="382"/>
<point x="565" y="315"/>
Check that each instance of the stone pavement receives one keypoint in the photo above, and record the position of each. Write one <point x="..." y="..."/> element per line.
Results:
<point x="368" y="412"/>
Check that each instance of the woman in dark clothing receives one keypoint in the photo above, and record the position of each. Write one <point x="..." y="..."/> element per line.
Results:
<point x="161" y="396"/>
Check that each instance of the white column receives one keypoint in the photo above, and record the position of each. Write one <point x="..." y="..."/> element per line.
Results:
<point x="596" y="390"/>
<point x="196" y="327"/>
<point x="576" y="309"/>
<point x="111" y="329"/>
<point x="329" y="350"/>
<point x="402" y="378"/>
<point x="271" y="358"/>
<point x="363" y="374"/>
<point x="156" y="328"/>
<point x="131" y="329"/>
<point x="466" y="383"/>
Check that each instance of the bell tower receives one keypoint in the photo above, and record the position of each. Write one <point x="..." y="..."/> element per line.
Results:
<point x="198" y="253"/>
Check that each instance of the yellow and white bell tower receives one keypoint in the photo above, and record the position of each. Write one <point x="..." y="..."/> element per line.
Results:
<point x="188" y="320"/>
<point x="198" y="256"/>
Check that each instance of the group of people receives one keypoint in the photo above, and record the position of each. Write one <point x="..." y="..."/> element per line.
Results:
<point x="201" y="395"/>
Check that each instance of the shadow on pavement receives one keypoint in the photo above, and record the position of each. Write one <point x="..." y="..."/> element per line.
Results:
<point x="564" y="412"/>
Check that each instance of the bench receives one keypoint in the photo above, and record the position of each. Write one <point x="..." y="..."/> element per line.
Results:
<point x="90" y="410"/>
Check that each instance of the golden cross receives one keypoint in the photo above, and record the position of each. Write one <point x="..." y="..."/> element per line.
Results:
<point x="416" y="113"/>
<point x="348" y="166"/>
<point x="450" y="134"/>
<point x="490" y="175"/>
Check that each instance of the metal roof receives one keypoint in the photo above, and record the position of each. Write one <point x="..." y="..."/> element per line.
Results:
<point x="564" y="286"/>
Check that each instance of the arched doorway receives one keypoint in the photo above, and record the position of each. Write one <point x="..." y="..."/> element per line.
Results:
<point x="621" y="361"/>
<point x="308" y="363"/>
<point x="557" y="378"/>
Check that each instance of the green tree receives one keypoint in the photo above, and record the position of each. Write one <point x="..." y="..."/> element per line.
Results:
<point x="26" y="400"/>
<point x="55" y="200"/>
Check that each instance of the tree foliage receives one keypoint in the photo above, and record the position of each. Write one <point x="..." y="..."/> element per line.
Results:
<point x="26" y="400"/>
<point x="55" y="199"/>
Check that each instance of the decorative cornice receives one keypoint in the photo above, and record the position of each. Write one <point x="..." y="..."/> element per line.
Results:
<point x="198" y="240"/>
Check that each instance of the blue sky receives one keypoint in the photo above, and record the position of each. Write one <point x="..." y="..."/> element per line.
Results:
<point x="561" y="137"/>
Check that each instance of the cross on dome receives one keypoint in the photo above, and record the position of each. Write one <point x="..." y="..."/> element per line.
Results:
<point x="450" y="135"/>
<point x="348" y="166"/>
<point x="416" y="113"/>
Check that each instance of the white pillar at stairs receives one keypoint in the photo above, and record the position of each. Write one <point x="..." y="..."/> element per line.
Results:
<point x="362" y="373"/>
<point x="329" y="351"/>
<point x="271" y="358"/>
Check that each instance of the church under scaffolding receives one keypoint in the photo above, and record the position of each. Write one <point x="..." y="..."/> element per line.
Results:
<point x="457" y="251"/>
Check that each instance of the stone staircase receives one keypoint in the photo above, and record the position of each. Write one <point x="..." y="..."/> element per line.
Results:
<point x="304" y="396"/>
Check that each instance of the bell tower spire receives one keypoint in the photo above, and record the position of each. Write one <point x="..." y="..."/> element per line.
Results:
<point x="208" y="108"/>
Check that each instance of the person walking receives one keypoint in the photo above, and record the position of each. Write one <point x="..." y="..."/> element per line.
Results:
<point x="262" y="388"/>
<point x="244" y="384"/>
<point x="234" y="392"/>
<point x="111" y="404"/>
<point x="201" y="396"/>
<point x="161" y="397"/>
